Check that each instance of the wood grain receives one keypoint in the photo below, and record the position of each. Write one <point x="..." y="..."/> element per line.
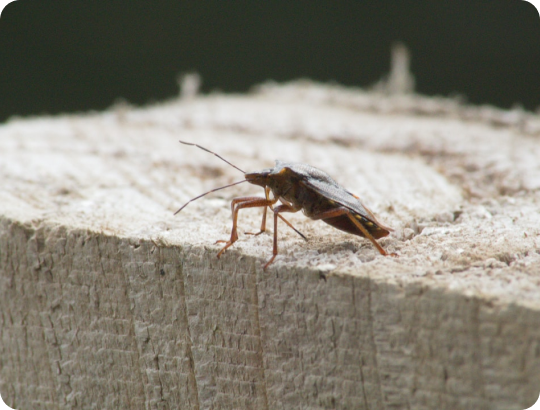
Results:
<point x="108" y="301"/>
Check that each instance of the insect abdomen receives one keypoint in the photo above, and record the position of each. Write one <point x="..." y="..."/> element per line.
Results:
<point x="343" y="223"/>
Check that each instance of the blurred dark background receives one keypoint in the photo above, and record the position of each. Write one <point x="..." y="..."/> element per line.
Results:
<point x="71" y="55"/>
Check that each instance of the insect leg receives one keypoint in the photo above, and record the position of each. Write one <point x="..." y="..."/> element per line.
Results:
<point x="292" y="227"/>
<point x="236" y="205"/>
<point x="344" y="211"/>
<point x="277" y="210"/>
<point x="263" y="224"/>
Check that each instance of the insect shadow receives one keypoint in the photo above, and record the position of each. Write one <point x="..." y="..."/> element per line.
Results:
<point x="301" y="187"/>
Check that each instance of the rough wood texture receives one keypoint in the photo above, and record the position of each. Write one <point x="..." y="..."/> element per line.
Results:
<point x="108" y="301"/>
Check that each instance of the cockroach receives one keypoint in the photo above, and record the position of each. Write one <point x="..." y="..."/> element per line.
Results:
<point x="301" y="187"/>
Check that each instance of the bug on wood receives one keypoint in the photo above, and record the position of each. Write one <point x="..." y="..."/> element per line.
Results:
<point x="301" y="187"/>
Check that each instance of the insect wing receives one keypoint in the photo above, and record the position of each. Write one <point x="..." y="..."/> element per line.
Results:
<point x="325" y="185"/>
<point x="350" y="201"/>
<point x="341" y="196"/>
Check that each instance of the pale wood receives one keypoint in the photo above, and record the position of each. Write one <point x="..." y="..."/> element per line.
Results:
<point x="108" y="301"/>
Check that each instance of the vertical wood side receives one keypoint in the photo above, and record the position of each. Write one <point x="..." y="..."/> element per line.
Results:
<point x="89" y="320"/>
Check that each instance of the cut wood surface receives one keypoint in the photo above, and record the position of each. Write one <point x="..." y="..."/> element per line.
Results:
<point x="109" y="301"/>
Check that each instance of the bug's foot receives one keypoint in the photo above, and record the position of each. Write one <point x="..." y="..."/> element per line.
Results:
<point x="254" y="234"/>
<point x="234" y="238"/>
<point x="269" y="262"/>
<point x="224" y="248"/>
<point x="227" y="245"/>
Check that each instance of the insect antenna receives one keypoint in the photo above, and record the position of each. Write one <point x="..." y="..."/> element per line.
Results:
<point x="206" y="193"/>
<point x="211" y="152"/>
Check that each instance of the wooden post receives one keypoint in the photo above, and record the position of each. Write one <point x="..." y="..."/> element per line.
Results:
<point x="108" y="301"/>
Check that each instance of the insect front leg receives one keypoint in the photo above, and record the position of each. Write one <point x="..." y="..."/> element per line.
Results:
<point x="236" y="205"/>
<point x="263" y="224"/>
<point x="277" y="210"/>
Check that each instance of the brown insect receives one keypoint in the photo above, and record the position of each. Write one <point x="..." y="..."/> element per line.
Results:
<point x="301" y="187"/>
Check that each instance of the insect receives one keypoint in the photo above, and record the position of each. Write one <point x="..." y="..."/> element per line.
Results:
<point x="302" y="187"/>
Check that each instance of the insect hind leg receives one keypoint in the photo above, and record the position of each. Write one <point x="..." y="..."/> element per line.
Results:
<point x="345" y="211"/>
